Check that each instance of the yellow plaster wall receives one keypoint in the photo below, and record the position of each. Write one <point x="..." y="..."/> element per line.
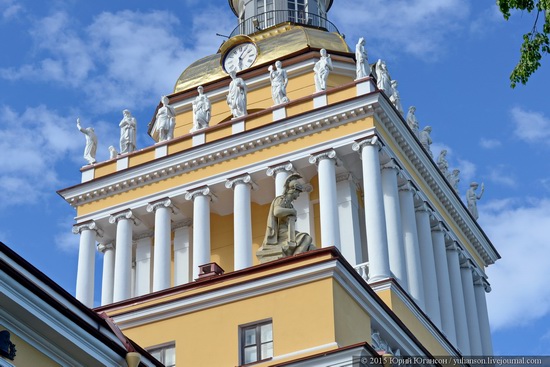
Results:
<point x="302" y="318"/>
<point x="142" y="157"/>
<point x="217" y="168"/>
<point x="221" y="240"/>
<point x="27" y="355"/>
<point x="412" y="323"/>
<point x="352" y="324"/>
<point x="259" y="225"/>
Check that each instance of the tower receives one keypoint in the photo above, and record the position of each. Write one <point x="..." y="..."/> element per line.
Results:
<point x="400" y="262"/>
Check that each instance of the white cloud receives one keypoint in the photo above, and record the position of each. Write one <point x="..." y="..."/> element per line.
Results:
<point x="519" y="280"/>
<point x="121" y="60"/>
<point x="501" y="174"/>
<point x="489" y="143"/>
<point x="486" y="20"/>
<point x="467" y="170"/>
<point x="9" y="9"/>
<point x="530" y="126"/>
<point x="417" y="27"/>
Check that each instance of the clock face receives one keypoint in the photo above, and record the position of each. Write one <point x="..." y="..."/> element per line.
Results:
<point x="240" y="57"/>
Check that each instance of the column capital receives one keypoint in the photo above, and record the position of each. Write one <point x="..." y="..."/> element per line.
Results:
<point x="126" y="214"/>
<point x="371" y="141"/>
<point x="407" y="186"/>
<point x="423" y="206"/>
<point x="439" y="227"/>
<point x="230" y="183"/>
<point x="482" y="282"/>
<point x="315" y="158"/>
<point x="282" y="167"/>
<point x="90" y="226"/>
<point x="164" y="202"/>
<point x="103" y="247"/>
<point x="452" y="246"/>
<point x="200" y="191"/>
<point x="466" y="263"/>
<point x="183" y="223"/>
<point x="391" y="165"/>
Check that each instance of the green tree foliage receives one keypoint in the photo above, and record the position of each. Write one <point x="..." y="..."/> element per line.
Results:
<point x="535" y="43"/>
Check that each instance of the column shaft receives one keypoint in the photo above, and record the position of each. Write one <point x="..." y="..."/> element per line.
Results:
<point x="242" y="221"/>
<point x="107" y="278"/>
<point x="163" y="243"/>
<point x="123" y="260"/>
<point x="182" y="254"/>
<point x="86" y="263"/>
<point x="201" y="227"/>
<point x="143" y="266"/>
<point x="471" y="309"/>
<point x="394" y="227"/>
<point x="330" y="230"/>
<point x="375" y="220"/>
<point x="349" y="222"/>
<point x="484" y="328"/>
<point x="431" y="294"/>
<point x="410" y="241"/>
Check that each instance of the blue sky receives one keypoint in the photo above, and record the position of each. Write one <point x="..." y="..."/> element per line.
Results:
<point x="452" y="58"/>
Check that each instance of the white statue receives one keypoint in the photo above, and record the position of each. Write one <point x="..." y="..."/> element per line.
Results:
<point x="472" y="198"/>
<point x="236" y="97"/>
<point x="383" y="80"/>
<point x="128" y="136"/>
<point x="394" y="97"/>
<point x="362" y="69"/>
<point x="279" y="81"/>
<point x="165" y="120"/>
<point x="412" y="121"/>
<point x="454" y="179"/>
<point x="442" y="162"/>
<point x="112" y="152"/>
<point x="201" y="110"/>
<point x="426" y="140"/>
<point x="322" y="69"/>
<point x="91" y="142"/>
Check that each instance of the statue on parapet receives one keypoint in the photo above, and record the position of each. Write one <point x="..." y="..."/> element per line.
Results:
<point x="279" y="81"/>
<point x="362" y="67"/>
<point x="91" y="142"/>
<point x="128" y="137"/>
<point x="412" y="122"/>
<point x="165" y="120"/>
<point x="281" y="238"/>
<point x="442" y="163"/>
<point x="454" y="179"/>
<point x="201" y="111"/>
<point x="472" y="197"/>
<point x="426" y="139"/>
<point x="383" y="80"/>
<point x="236" y="96"/>
<point x="395" y="99"/>
<point x="322" y="69"/>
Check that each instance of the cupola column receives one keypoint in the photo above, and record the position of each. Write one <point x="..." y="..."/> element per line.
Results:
<point x="242" y="219"/>
<point x="86" y="261"/>
<point x="375" y="220"/>
<point x="443" y="282"/>
<point x="461" y="324"/>
<point x="326" y="166"/>
<point x="410" y="241"/>
<point x="466" y="269"/>
<point x="123" y="256"/>
<point x="163" y="242"/>
<point x="480" y="287"/>
<point x="431" y="294"/>
<point x="280" y="173"/>
<point x="108" y="275"/>
<point x="143" y="266"/>
<point x="201" y="198"/>
<point x="394" y="228"/>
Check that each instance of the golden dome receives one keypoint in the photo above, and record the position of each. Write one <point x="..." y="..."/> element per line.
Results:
<point x="274" y="44"/>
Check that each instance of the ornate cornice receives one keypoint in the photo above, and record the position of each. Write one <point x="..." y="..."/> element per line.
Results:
<point x="88" y="226"/>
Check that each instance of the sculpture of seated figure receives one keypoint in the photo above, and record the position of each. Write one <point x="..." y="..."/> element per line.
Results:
<point x="281" y="239"/>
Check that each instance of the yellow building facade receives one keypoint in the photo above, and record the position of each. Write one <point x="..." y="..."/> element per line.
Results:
<point x="399" y="265"/>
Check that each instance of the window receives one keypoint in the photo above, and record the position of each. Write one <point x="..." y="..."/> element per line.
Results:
<point x="265" y="13"/>
<point x="297" y="11"/>
<point x="165" y="354"/>
<point x="256" y="342"/>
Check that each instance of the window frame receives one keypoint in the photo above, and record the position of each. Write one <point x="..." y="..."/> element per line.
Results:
<point x="163" y="348"/>
<point x="258" y="343"/>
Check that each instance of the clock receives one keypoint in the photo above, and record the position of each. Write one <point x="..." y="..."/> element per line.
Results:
<point x="240" y="57"/>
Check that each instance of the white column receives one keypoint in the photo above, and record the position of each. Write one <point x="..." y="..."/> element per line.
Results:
<point x="431" y="294"/>
<point x="443" y="283"/>
<point x="201" y="226"/>
<point x="143" y="265"/>
<point x="242" y="220"/>
<point x="348" y="213"/>
<point x="410" y="241"/>
<point x="86" y="261"/>
<point x="304" y="213"/>
<point x="123" y="256"/>
<point x="375" y="220"/>
<point x="471" y="307"/>
<point x="480" y="287"/>
<point x="108" y="275"/>
<point x="280" y="172"/>
<point x="182" y="252"/>
<point x="461" y="325"/>
<point x="163" y="242"/>
<point x="394" y="228"/>
<point x="326" y="166"/>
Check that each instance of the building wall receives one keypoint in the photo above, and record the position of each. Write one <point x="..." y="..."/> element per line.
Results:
<point x="26" y="354"/>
